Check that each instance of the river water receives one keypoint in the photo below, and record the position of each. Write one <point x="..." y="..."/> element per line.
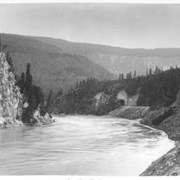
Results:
<point x="81" y="145"/>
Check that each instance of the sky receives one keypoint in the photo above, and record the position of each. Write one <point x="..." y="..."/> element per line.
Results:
<point x="122" y="25"/>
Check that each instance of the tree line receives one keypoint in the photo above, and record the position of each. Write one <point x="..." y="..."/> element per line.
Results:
<point x="133" y="75"/>
<point x="157" y="88"/>
<point x="33" y="96"/>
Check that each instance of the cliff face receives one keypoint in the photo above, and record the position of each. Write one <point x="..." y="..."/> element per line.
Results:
<point x="116" y="63"/>
<point x="10" y="96"/>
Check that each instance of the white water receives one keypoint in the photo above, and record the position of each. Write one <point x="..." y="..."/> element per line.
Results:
<point x="81" y="145"/>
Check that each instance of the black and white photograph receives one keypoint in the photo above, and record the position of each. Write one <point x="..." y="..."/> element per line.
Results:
<point x="89" y="89"/>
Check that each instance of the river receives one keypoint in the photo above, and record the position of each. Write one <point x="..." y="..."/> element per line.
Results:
<point x="81" y="145"/>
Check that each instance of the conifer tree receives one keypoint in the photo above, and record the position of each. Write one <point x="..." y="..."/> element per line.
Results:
<point x="49" y="100"/>
<point x="122" y="76"/>
<point x="28" y="82"/>
<point x="130" y="75"/>
<point x="150" y="71"/>
<point x="134" y="76"/>
<point x="2" y="46"/>
<point x="23" y="78"/>
<point x="21" y="82"/>
<point x="11" y="65"/>
<point x="0" y="43"/>
<point x="10" y="62"/>
<point x="29" y="90"/>
<point x="60" y="92"/>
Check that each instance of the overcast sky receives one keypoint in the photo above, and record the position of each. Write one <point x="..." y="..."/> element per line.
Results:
<point x="123" y="25"/>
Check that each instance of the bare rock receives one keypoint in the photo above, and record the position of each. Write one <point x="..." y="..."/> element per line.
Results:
<point x="38" y="119"/>
<point x="10" y="96"/>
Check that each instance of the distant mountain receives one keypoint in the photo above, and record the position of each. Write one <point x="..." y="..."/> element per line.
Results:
<point x="58" y="63"/>
<point x="120" y="60"/>
<point x="52" y="67"/>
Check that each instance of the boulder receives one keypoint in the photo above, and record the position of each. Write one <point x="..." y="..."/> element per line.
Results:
<point x="38" y="119"/>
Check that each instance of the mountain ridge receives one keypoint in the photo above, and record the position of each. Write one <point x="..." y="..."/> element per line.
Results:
<point x="72" y="62"/>
<point x="51" y="66"/>
<point x="120" y="60"/>
<point x="172" y="50"/>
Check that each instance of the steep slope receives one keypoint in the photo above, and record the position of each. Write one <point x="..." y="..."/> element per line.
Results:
<point x="10" y="96"/>
<point x="158" y="90"/>
<point x="51" y="67"/>
<point x="168" y="164"/>
<point x="58" y="63"/>
<point x="120" y="60"/>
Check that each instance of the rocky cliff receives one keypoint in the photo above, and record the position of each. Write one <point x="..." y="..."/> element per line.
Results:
<point x="10" y="96"/>
<point x="117" y="63"/>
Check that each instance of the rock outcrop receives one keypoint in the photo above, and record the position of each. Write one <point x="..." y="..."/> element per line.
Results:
<point x="10" y="96"/>
<point x="11" y="100"/>
<point x="126" y="100"/>
<point x="101" y="99"/>
<point x="37" y="119"/>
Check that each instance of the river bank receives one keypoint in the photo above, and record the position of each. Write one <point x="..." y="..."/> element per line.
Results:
<point x="130" y="112"/>
<point x="166" y="119"/>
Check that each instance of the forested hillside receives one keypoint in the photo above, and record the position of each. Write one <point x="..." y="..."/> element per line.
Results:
<point x="120" y="60"/>
<point x="157" y="89"/>
<point x="59" y="64"/>
<point x="52" y="68"/>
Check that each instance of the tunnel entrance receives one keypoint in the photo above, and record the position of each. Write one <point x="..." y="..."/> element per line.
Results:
<point x="122" y="102"/>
